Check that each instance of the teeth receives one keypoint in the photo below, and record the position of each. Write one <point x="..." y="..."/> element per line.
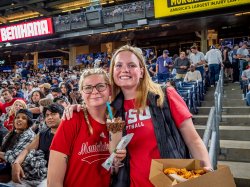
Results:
<point x="125" y="77"/>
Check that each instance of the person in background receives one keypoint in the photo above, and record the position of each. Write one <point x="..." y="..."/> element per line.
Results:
<point x="242" y="54"/>
<point x="8" y="101"/>
<point x="248" y="96"/>
<point x="214" y="60"/>
<point x="55" y="82"/>
<point x="80" y="145"/>
<point x="19" y="92"/>
<point x="64" y="89"/>
<point x="17" y="105"/>
<point x="56" y="92"/>
<point x="181" y="64"/>
<point x="163" y="64"/>
<point x="227" y="64"/>
<point x="245" y="79"/>
<point x="21" y="177"/>
<point x="4" y="86"/>
<point x="151" y="68"/>
<point x="45" y="89"/>
<point x="198" y="59"/>
<point x="193" y="75"/>
<point x="36" y="110"/>
<point x="16" y="140"/>
<point x="62" y="100"/>
<point x="235" y="64"/>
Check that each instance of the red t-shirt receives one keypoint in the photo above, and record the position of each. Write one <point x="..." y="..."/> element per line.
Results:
<point x="143" y="146"/>
<point x="1" y="104"/>
<point x="9" y="123"/>
<point x="5" y="108"/>
<point x="86" y="152"/>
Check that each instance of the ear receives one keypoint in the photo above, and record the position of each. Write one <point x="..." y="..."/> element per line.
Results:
<point x="142" y="72"/>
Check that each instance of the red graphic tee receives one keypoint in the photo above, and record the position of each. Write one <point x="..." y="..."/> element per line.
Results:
<point x="143" y="146"/>
<point x="86" y="152"/>
<point x="5" y="108"/>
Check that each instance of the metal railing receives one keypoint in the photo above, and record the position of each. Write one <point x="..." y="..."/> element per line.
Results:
<point x="212" y="133"/>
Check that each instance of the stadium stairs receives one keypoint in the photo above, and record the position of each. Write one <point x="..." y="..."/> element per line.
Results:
<point x="234" y="131"/>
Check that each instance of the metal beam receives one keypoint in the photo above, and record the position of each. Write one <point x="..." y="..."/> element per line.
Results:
<point x="51" y="4"/>
<point x="18" y="5"/>
<point x="62" y="51"/>
<point x="37" y="9"/>
<point x="3" y="20"/>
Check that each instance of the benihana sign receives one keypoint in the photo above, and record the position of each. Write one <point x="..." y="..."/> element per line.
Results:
<point x="26" y="30"/>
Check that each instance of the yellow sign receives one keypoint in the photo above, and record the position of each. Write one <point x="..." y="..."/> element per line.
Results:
<point x="164" y="8"/>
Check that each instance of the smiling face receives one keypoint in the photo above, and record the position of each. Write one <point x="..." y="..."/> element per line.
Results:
<point x="127" y="71"/>
<point x="18" y="105"/>
<point x="63" y="89"/>
<point x="95" y="98"/>
<point x="21" y="122"/>
<point x="36" y="97"/>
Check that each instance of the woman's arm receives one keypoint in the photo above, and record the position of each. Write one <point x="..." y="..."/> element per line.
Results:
<point x="194" y="143"/>
<point x="17" y="170"/>
<point x="2" y="158"/>
<point x="57" y="168"/>
<point x="35" y="110"/>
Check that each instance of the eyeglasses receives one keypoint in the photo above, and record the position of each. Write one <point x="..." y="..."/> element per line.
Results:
<point x="101" y="87"/>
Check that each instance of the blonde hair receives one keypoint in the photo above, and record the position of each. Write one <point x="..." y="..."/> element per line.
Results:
<point x="12" y="109"/>
<point x="146" y="84"/>
<point x="86" y="73"/>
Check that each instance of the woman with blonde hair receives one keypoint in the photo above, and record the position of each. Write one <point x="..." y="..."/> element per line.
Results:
<point x="159" y="118"/>
<point x="80" y="145"/>
<point x="17" y="105"/>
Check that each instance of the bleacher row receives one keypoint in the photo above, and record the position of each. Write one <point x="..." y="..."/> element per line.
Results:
<point x="191" y="92"/>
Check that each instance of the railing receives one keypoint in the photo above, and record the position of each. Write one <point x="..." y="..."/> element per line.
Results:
<point x="212" y="132"/>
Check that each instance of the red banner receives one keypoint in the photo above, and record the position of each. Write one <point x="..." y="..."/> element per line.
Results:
<point x="25" y="30"/>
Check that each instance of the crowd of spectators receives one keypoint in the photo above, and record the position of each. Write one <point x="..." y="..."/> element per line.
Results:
<point x="193" y="65"/>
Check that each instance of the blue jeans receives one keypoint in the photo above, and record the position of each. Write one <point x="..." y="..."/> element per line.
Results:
<point x="162" y="77"/>
<point x="201" y="70"/>
<point x="248" y="98"/>
<point x="214" y="72"/>
<point x="243" y="64"/>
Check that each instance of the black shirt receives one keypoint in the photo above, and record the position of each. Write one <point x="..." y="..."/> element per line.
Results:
<point x="45" y="139"/>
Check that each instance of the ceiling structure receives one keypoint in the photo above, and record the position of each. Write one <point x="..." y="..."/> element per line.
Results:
<point x="17" y="10"/>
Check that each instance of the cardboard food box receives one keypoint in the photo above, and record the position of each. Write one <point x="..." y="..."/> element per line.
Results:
<point x="222" y="177"/>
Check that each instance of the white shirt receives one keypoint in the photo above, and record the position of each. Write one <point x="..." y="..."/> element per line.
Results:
<point x="213" y="56"/>
<point x="243" y="52"/>
<point x="193" y="76"/>
<point x="195" y="58"/>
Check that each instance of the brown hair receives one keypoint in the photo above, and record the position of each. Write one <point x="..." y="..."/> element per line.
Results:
<point x="146" y="84"/>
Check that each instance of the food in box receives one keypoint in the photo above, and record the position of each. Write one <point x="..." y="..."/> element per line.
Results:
<point x="221" y="177"/>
